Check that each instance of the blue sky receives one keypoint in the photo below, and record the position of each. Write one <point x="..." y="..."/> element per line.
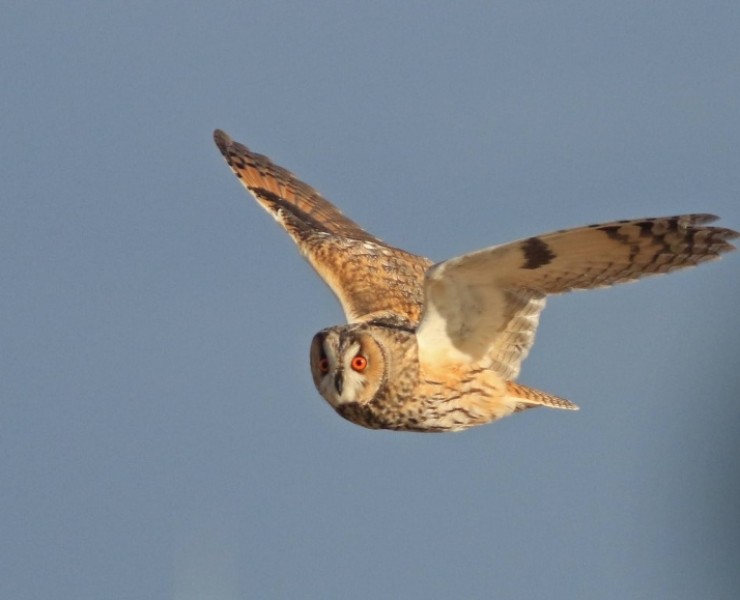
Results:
<point x="160" y="436"/>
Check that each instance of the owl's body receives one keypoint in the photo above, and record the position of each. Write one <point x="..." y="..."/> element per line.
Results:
<point x="439" y="347"/>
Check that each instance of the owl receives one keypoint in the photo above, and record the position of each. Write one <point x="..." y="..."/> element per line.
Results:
<point x="438" y="347"/>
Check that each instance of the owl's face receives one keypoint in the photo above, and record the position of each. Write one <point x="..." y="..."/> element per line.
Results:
<point x="348" y="365"/>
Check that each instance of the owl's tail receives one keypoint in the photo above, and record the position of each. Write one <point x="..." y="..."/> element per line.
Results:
<point x="527" y="397"/>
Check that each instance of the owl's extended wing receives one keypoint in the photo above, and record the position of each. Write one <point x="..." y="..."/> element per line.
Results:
<point x="486" y="305"/>
<point x="370" y="278"/>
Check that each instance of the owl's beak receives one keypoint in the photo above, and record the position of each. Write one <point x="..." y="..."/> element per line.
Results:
<point x="339" y="382"/>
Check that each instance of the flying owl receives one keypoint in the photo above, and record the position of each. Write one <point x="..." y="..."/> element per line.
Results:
<point x="438" y="347"/>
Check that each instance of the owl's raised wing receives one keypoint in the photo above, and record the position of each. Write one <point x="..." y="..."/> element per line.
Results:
<point x="370" y="278"/>
<point x="485" y="306"/>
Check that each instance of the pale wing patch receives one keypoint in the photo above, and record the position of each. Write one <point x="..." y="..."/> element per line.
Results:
<point x="447" y="311"/>
<point x="470" y="315"/>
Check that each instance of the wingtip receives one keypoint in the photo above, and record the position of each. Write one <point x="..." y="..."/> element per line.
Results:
<point x="222" y="139"/>
<point x="699" y="218"/>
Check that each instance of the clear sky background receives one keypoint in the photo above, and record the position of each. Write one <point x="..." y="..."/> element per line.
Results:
<point x="160" y="435"/>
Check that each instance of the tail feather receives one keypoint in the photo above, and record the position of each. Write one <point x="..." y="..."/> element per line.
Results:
<point x="527" y="397"/>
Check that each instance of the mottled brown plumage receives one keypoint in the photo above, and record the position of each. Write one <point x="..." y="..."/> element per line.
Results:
<point x="438" y="347"/>
<point x="352" y="262"/>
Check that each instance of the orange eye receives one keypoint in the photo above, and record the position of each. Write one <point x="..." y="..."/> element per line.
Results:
<point x="324" y="365"/>
<point x="359" y="363"/>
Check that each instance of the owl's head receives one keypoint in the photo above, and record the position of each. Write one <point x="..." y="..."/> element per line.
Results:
<point x="348" y="364"/>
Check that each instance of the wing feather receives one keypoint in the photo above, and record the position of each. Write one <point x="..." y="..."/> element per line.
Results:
<point x="485" y="306"/>
<point x="371" y="279"/>
<point x="272" y="185"/>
